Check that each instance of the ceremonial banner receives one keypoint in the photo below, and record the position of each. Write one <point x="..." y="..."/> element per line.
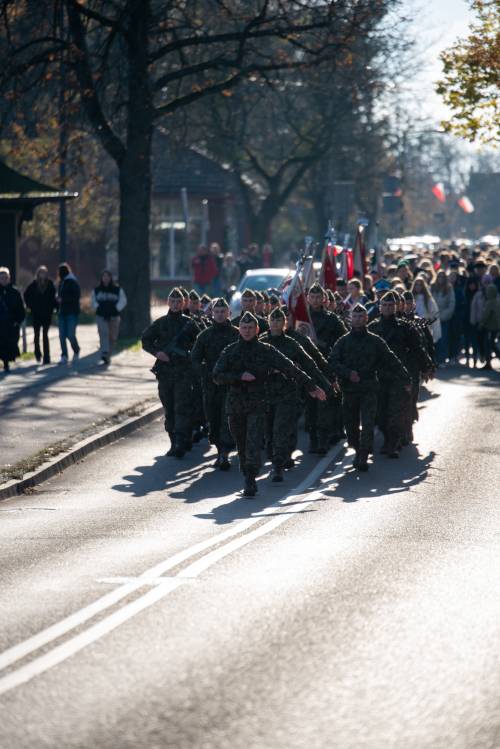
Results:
<point x="466" y="205"/>
<point x="295" y="299"/>
<point x="438" y="192"/>
<point x="359" y="254"/>
<point x="328" y="275"/>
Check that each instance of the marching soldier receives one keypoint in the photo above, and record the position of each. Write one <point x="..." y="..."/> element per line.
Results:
<point x="248" y="303"/>
<point x="283" y="395"/>
<point x="395" y="408"/>
<point x="325" y="423"/>
<point x="359" y="358"/>
<point x="206" y="351"/>
<point x="245" y="367"/>
<point x="170" y="339"/>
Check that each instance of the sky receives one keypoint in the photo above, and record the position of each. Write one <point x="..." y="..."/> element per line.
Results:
<point x="437" y="25"/>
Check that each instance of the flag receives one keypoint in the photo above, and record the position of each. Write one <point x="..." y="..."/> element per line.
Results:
<point x="328" y="275"/>
<point x="359" y="253"/>
<point x="438" y="192"/>
<point x="295" y="299"/>
<point x="466" y="205"/>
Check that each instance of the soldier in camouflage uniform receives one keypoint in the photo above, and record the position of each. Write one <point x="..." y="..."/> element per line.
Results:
<point x="394" y="401"/>
<point x="206" y="351"/>
<point x="245" y="367"/>
<point x="283" y="395"/>
<point x="359" y="358"/>
<point x="325" y="423"/>
<point x="170" y="339"/>
<point x="199" y="416"/>
<point x="248" y="303"/>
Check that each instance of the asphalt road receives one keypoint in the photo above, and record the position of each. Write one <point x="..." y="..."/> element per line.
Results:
<point x="361" y="612"/>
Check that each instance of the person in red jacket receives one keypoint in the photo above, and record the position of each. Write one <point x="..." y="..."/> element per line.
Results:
<point x="204" y="269"/>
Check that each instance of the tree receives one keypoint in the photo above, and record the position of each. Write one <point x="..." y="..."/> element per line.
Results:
<point x="471" y="82"/>
<point x="134" y="63"/>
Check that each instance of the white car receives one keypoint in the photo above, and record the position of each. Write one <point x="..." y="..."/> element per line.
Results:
<point x="258" y="279"/>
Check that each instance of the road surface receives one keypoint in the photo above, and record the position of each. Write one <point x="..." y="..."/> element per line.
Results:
<point x="145" y="609"/>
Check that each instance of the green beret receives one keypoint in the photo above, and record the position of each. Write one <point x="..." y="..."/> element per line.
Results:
<point x="248" y="294"/>
<point x="359" y="308"/>
<point x="247" y="317"/>
<point x="264" y="295"/>
<point x="408" y="296"/>
<point x="316" y="289"/>
<point x="277" y="314"/>
<point x="205" y="299"/>
<point x="175" y="293"/>
<point x="390" y="296"/>
<point x="220" y="302"/>
<point x="194" y="296"/>
<point x="184" y="292"/>
<point x="259" y="296"/>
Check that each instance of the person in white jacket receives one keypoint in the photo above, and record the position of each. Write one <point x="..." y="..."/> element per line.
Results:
<point x="445" y="299"/>
<point x="108" y="300"/>
<point x="426" y="307"/>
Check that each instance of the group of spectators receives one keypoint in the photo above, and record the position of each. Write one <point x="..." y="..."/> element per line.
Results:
<point x="456" y="290"/>
<point x="43" y="298"/>
<point x="215" y="273"/>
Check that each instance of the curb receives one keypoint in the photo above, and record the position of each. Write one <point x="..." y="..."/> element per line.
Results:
<point x="80" y="450"/>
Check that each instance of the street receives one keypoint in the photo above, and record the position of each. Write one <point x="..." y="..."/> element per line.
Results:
<point x="360" y="611"/>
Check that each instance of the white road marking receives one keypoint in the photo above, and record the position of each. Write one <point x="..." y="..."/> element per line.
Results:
<point x="65" y="650"/>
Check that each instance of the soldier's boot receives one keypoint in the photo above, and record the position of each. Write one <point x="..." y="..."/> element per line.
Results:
<point x="323" y="442"/>
<point x="313" y="441"/>
<point x="217" y="460"/>
<point x="224" y="464"/>
<point x="362" y="456"/>
<point x="250" y="487"/>
<point x="392" y="450"/>
<point x="196" y="435"/>
<point x="179" y="448"/>
<point x="171" y="450"/>
<point x="276" y="473"/>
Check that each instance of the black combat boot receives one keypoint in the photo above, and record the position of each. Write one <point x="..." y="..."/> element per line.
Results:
<point x="180" y="448"/>
<point x="276" y="474"/>
<point x="250" y="488"/>
<point x="224" y="464"/>
<point x="171" y="450"/>
<point x="362" y="459"/>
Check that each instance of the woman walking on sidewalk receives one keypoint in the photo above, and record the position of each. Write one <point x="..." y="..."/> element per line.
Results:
<point x="108" y="300"/>
<point x="68" y="299"/>
<point x="11" y="316"/>
<point x="40" y="298"/>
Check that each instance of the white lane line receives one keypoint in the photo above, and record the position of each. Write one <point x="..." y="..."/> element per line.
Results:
<point x="74" y="620"/>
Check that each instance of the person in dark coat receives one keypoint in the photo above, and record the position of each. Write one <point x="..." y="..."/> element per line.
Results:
<point x="68" y="298"/>
<point x="108" y="300"/>
<point x="12" y="314"/>
<point x="40" y="298"/>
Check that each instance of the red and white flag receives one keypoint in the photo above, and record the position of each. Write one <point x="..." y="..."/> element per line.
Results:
<point x="466" y="205"/>
<point x="359" y="253"/>
<point x="439" y="192"/>
<point x="328" y="275"/>
<point x="295" y="299"/>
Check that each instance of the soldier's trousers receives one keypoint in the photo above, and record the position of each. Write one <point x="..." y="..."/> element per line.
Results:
<point x="214" y="399"/>
<point x="394" y="404"/>
<point x="247" y="428"/>
<point x="281" y="429"/>
<point x="360" y="410"/>
<point x="324" y="419"/>
<point x="175" y="393"/>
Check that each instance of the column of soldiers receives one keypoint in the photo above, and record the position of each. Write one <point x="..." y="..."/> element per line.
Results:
<point x="246" y="381"/>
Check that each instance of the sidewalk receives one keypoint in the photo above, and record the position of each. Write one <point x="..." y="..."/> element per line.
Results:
<point x="42" y="405"/>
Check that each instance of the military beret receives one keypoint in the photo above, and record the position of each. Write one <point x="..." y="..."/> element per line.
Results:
<point x="259" y="296"/>
<point x="247" y="317"/>
<point x="175" y="293"/>
<point x="316" y="289"/>
<point x="277" y="314"/>
<point x="184" y="292"/>
<point x="273" y="291"/>
<point x="248" y="294"/>
<point x="194" y="296"/>
<point x="264" y="295"/>
<point x="390" y="296"/>
<point x="359" y="308"/>
<point x="220" y="302"/>
<point x="408" y="296"/>
<point x="274" y="299"/>
<point x="205" y="299"/>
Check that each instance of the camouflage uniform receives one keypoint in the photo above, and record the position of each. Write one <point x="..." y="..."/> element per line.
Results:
<point x="206" y="351"/>
<point x="325" y="420"/>
<point x="368" y="355"/>
<point x="246" y="401"/>
<point x="174" y="333"/>
<point x="283" y="398"/>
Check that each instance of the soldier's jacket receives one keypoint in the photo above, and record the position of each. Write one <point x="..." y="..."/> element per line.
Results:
<point x="175" y="334"/>
<point x="367" y="354"/>
<point x="404" y="341"/>
<point x="328" y="327"/>
<point x="263" y="324"/>
<point x="278" y="385"/>
<point x="424" y="331"/>
<point x="208" y="347"/>
<point x="199" y="318"/>
<point x="259" y="359"/>
<point x="311" y="349"/>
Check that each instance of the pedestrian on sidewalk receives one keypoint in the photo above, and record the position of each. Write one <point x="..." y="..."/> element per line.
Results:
<point x="68" y="299"/>
<point x="12" y="314"/>
<point x="40" y="298"/>
<point x="108" y="300"/>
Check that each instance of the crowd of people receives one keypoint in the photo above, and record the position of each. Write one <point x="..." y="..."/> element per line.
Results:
<point x="215" y="273"/>
<point x="43" y="298"/>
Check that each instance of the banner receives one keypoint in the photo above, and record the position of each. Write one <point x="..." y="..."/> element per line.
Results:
<point x="295" y="299"/>
<point x="328" y="274"/>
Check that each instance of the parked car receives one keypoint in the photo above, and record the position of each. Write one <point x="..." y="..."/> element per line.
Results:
<point x="258" y="279"/>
